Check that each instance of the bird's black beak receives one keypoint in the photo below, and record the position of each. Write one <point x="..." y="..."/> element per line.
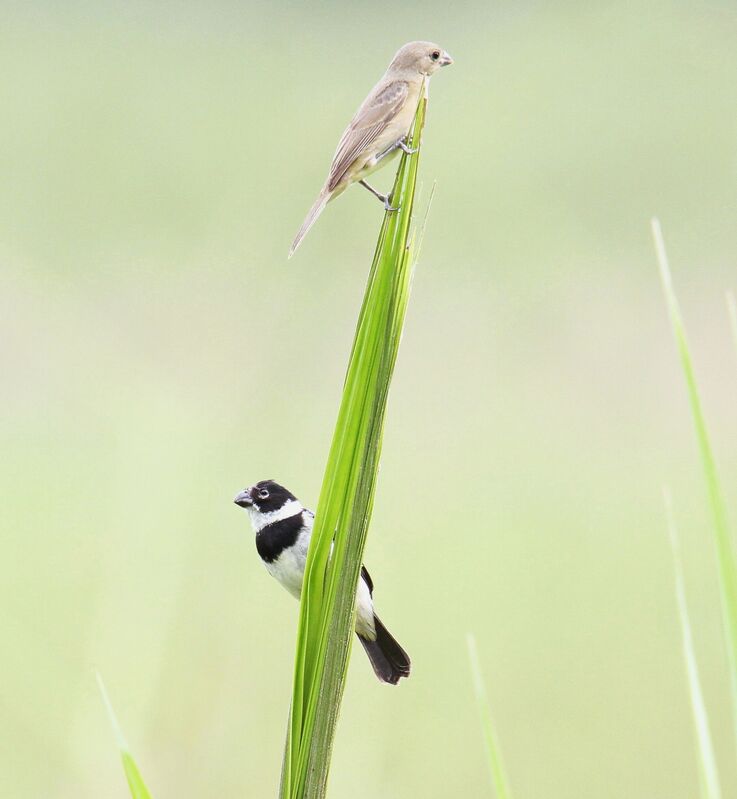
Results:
<point x="445" y="60"/>
<point x="244" y="498"/>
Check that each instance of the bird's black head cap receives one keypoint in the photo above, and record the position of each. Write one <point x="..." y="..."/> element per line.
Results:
<point x="266" y="496"/>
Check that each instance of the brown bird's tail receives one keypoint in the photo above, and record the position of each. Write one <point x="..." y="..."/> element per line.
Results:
<point x="389" y="660"/>
<point x="310" y="219"/>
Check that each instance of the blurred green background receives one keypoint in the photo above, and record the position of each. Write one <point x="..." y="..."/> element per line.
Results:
<point x="158" y="353"/>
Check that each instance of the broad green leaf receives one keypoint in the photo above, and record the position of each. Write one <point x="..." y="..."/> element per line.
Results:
<point x="325" y="629"/>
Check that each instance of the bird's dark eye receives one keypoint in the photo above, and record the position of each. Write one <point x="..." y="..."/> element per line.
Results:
<point x="435" y="55"/>
<point x="264" y="493"/>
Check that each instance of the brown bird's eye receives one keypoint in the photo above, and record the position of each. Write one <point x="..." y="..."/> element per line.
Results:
<point x="263" y="493"/>
<point x="435" y="55"/>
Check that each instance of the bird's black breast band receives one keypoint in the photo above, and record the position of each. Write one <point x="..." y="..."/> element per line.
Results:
<point x="274" y="538"/>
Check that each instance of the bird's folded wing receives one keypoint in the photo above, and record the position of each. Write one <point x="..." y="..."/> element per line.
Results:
<point x="366" y="577"/>
<point x="371" y="119"/>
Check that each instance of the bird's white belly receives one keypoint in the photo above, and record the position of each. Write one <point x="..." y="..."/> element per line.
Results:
<point x="289" y="568"/>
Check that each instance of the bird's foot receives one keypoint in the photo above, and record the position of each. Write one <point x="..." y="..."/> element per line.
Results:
<point x="402" y="144"/>
<point x="383" y="197"/>
<point x="398" y="145"/>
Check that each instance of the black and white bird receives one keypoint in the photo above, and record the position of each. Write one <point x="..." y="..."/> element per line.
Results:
<point x="283" y="527"/>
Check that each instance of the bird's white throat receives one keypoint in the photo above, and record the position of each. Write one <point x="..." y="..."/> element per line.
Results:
<point x="259" y="520"/>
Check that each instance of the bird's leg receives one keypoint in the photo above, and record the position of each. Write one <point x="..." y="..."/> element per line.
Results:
<point x="398" y="145"/>
<point x="390" y="149"/>
<point x="383" y="197"/>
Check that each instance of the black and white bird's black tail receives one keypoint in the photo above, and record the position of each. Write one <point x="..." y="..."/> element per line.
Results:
<point x="389" y="660"/>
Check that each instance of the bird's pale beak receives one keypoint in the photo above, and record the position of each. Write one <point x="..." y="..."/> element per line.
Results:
<point x="445" y="60"/>
<point x="244" y="498"/>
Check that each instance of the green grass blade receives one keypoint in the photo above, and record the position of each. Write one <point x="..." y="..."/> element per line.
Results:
<point x="496" y="764"/>
<point x="136" y="784"/>
<point x="722" y="538"/>
<point x="706" y="757"/>
<point x="732" y="310"/>
<point x="325" y="629"/>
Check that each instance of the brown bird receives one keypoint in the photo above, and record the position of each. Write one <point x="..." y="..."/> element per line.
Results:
<point x="379" y="128"/>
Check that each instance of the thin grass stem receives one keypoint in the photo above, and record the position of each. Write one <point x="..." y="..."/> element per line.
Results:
<point x="706" y="757"/>
<point x="496" y="764"/>
<point x="732" y="311"/>
<point x="727" y="567"/>
<point x="136" y="784"/>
